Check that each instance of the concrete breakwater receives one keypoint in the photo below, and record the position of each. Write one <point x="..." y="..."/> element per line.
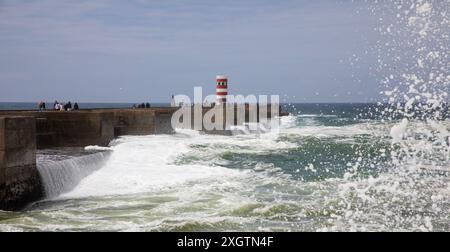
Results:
<point x="94" y="127"/>
<point x="23" y="132"/>
<point x="19" y="179"/>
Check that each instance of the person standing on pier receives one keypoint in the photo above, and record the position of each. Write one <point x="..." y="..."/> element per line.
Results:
<point x="172" y="102"/>
<point x="68" y="106"/>
<point x="41" y="106"/>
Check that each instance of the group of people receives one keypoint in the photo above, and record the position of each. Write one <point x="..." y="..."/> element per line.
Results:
<point x="142" y="105"/>
<point x="65" y="106"/>
<point x="58" y="106"/>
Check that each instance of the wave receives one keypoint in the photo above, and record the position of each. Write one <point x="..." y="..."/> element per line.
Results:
<point x="321" y="131"/>
<point x="145" y="164"/>
<point x="62" y="176"/>
<point x="96" y="148"/>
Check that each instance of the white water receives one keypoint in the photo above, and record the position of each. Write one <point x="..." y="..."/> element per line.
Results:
<point x="181" y="182"/>
<point x="145" y="164"/>
<point x="62" y="176"/>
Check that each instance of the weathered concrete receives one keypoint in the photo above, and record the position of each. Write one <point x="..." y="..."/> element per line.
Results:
<point x="248" y="113"/>
<point x="74" y="129"/>
<point x="70" y="129"/>
<point x="19" y="179"/>
<point x="97" y="126"/>
<point x="133" y="122"/>
<point x="141" y="121"/>
<point x="163" y="118"/>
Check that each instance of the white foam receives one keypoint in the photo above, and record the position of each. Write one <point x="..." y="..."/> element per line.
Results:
<point x="288" y="121"/>
<point x="143" y="164"/>
<point x="62" y="176"/>
<point x="398" y="131"/>
<point x="96" y="147"/>
<point x="316" y="115"/>
<point x="332" y="131"/>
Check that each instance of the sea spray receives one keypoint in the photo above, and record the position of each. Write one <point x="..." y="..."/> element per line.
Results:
<point x="398" y="131"/>
<point x="64" y="175"/>
<point x="415" y="62"/>
<point x="414" y="71"/>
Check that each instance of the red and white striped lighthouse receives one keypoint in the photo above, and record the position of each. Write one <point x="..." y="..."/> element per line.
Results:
<point x="221" y="89"/>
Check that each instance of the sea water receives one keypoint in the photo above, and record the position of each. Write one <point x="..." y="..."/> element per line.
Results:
<point x="326" y="169"/>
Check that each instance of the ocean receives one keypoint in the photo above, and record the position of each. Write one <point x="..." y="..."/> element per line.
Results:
<point x="330" y="167"/>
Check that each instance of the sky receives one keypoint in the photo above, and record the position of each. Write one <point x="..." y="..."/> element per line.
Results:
<point x="137" y="50"/>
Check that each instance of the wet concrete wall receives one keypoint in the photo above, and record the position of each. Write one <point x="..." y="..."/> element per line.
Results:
<point x="19" y="179"/>
<point x="95" y="127"/>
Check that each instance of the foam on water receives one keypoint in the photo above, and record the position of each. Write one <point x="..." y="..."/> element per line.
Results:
<point x="144" y="164"/>
<point x="96" y="148"/>
<point x="64" y="175"/>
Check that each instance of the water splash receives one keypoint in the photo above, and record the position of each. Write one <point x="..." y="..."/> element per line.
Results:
<point x="62" y="176"/>
<point x="414" y="57"/>
<point x="413" y="62"/>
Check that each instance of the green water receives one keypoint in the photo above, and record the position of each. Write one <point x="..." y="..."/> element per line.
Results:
<point x="318" y="172"/>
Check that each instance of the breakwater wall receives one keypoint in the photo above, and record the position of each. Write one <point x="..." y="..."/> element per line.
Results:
<point x="22" y="132"/>
<point x="20" y="183"/>
<point x="94" y="127"/>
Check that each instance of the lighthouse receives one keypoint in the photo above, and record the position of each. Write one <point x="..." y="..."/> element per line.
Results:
<point x="221" y="89"/>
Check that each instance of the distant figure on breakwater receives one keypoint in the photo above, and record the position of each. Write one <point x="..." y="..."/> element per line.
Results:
<point x="141" y="105"/>
<point x="41" y="106"/>
<point x="58" y="106"/>
<point x="68" y="106"/>
<point x="172" y="102"/>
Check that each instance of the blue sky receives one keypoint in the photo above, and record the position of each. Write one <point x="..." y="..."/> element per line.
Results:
<point x="133" y="51"/>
